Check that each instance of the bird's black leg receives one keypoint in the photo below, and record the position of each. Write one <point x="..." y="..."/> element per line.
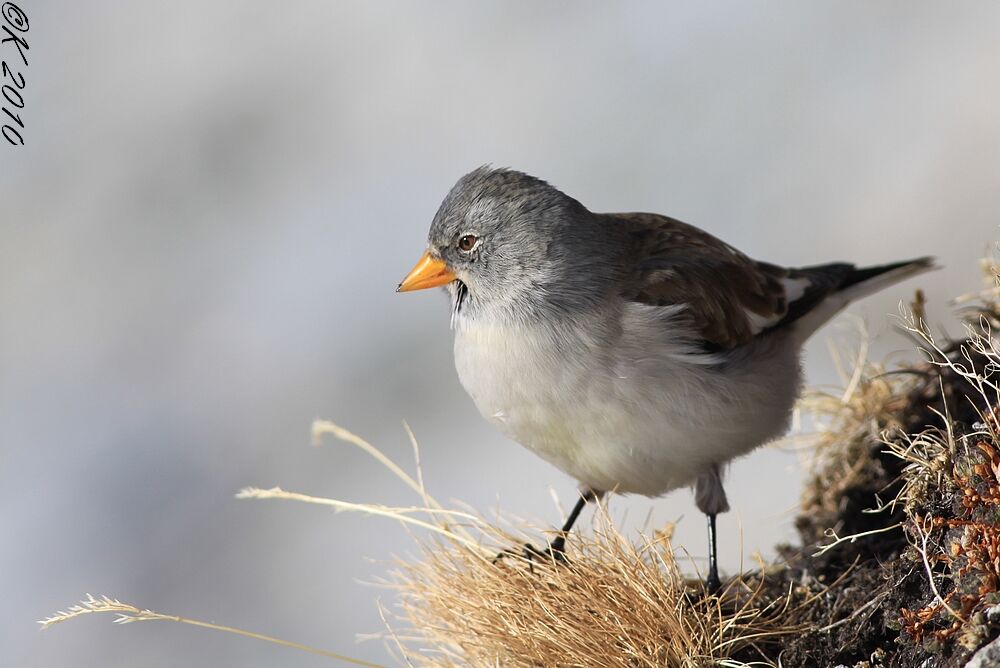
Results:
<point x="712" y="583"/>
<point x="710" y="497"/>
<point x="557" y="548"/>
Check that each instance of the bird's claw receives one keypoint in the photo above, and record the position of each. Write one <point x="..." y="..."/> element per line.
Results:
<point x="555" y="551"/>
<point x="712" y="584"/>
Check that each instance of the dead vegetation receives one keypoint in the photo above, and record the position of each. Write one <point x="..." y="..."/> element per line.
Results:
<point x="616" y="603"/>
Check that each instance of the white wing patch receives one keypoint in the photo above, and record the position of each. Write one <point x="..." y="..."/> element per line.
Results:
<point x="794" y="289"/>
<point x="758" y="323"/>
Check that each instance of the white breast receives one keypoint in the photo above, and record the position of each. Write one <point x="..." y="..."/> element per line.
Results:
<point x="620" y="408"/>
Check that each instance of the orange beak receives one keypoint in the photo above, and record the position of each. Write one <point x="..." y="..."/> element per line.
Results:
<point x="429" y="273"/>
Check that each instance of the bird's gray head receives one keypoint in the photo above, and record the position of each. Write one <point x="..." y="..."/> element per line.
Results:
<point x="508" y="245"/>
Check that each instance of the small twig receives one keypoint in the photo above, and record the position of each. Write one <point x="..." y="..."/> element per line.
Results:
<point x="392" y="634"/>
<point x="428" y="501"/>
<point x="930" y="573"/>
<point x="320" y="427"/>
<point x="859" y="366"/>
<point x="875" y="601"/>
<point x="830" y="533"/>
<point x="400" y="514"/>
<point x="128" y="613"/>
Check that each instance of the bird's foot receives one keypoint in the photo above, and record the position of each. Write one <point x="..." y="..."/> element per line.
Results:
<point x="712" y="584"/>
<point x="556" y="552"/>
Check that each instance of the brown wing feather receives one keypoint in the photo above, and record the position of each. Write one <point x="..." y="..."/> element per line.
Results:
<point x="676" y="263"/>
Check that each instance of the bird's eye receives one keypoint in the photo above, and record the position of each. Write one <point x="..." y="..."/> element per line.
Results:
<point x="468" y="242"/>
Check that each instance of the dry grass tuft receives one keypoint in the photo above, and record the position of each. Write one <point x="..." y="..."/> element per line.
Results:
<point x="616" y="603"/>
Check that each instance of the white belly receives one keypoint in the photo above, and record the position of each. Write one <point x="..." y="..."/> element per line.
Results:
<point x="628" y="417"/>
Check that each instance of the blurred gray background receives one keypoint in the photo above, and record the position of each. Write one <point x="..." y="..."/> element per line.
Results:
<point x="201" y="239"/>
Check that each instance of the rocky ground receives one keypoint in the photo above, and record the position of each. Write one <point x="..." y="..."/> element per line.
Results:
<point x="910" y="471"/>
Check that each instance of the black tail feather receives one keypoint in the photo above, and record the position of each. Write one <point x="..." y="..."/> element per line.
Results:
<point x="861" y="275"/>
<point x="826" y="279"/>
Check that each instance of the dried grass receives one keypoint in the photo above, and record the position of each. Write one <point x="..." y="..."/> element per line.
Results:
<point x="843" y="459"/>
<point x="615" y="603"/>
<point x="126" y="613"/>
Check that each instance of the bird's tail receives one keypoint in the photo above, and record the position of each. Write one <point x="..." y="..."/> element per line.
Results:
<point x="850" y="283"/>
<point x="869" y="280"/>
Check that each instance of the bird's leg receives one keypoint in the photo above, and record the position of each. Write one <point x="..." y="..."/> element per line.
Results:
<point x="710" y="497"/>
<point x="557" y="548"/>
<point x="712" y="583"/>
